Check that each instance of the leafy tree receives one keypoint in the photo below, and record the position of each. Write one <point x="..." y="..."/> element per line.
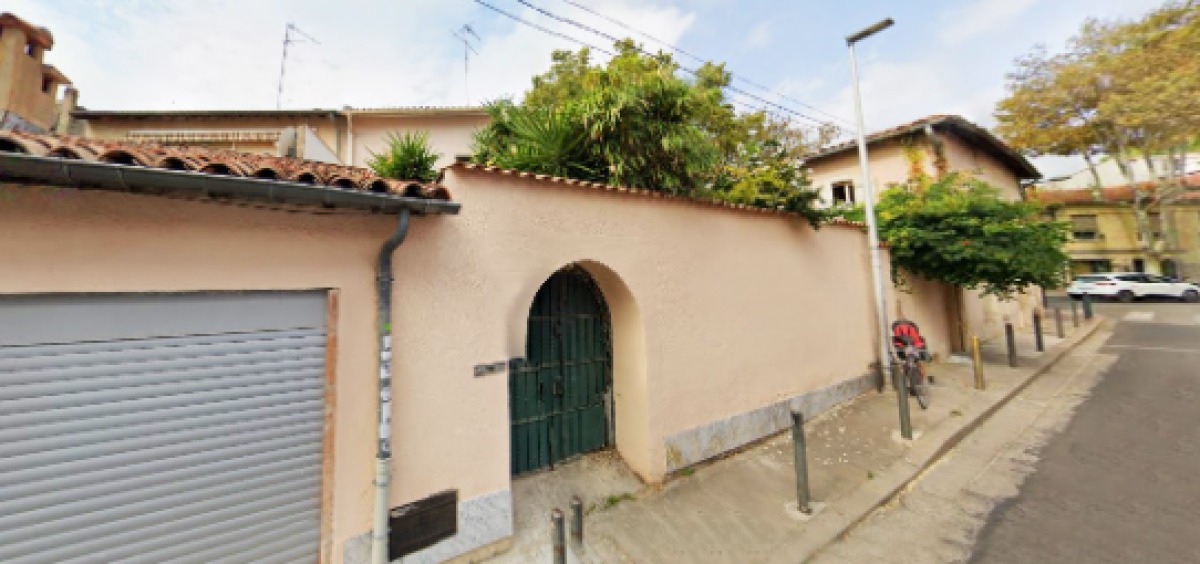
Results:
<point x="958" y="230"/>
<point x="1126" y="89"/>
<point x="407" y="157"/>
<point x="634" y="121"/>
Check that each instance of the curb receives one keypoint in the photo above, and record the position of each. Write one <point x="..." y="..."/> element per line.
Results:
<point x="856" y="507"/>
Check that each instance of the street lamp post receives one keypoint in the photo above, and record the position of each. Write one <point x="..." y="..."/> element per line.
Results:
<point x="885" y="358"/>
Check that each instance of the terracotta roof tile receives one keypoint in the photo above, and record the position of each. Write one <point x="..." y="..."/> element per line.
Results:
<point x="1122" y="193"/>
<point x="636" y="191"/>
<point x="961" y="126"/>
<point x="215" y="162"/>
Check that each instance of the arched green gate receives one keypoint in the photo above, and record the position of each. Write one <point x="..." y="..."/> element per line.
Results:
<point x="558" y="397"/>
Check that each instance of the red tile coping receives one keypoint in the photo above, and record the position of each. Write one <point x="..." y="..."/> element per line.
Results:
<point x="215" y="162"/>
<point x="599" y="186"/>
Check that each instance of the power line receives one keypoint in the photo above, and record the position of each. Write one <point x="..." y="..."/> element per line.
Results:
<point x="699" y="59"/>
<point x="610" y="53"/>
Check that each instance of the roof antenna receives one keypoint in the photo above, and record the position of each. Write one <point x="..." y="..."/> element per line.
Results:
<point x="288" y="40"/>
<point x="464" y="34"/>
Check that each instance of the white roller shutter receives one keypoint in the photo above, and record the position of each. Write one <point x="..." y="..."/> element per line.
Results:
<point x="161" y="428"/>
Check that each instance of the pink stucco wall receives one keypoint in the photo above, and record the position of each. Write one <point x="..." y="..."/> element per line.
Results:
<point x="716" y="312"/>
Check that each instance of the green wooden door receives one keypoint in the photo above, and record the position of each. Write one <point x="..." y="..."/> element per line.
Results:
<point x="557" y="396"/>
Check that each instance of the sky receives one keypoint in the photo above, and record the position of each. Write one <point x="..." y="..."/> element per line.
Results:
<point x="941" y="57"/>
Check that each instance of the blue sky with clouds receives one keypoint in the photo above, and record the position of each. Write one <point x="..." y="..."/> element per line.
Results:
<point x="942" y="56"/>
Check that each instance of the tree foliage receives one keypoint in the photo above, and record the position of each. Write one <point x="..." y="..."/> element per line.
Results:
<point x="958" y="230"/>
<point x="407" y="157"/>
<point x="1122" y="88"/>
<point x="634" y="121"/>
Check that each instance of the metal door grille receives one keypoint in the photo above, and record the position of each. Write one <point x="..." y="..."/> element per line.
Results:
<point x="558" y="395"/>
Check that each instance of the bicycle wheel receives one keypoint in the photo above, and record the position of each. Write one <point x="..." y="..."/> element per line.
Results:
<point x="920" y="390"/>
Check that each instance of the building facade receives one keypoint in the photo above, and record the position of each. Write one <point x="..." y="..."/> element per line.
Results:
<point x="237" y="295"/>
<point x="933" y="146"/>
<point x="30" y="96"/>
<point x="1105" y="236"/>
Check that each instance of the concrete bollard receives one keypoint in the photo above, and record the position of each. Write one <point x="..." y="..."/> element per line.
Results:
<point x="977" y="360"/>
<point x="1010" y="339"/>
<point x="1087" y="307"/>
<point x="800" y="451"/>
<point x="576" y="520"/>
<point x="1058" y="323"/>
<point x="559" y="537"/>
<point x="1037" y="331"/>
<point x="1074" y="315"/>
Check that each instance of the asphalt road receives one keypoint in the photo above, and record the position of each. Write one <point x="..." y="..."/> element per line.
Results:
<point x="1121" y="483"/>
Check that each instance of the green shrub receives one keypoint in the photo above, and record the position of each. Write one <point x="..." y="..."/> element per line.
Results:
<point x="407" y="157"/>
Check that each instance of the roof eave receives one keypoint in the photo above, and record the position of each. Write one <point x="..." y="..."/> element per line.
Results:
<point x="73" y="173"/>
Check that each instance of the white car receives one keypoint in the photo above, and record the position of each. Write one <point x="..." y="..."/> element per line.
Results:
<point x="1127" y="286"/>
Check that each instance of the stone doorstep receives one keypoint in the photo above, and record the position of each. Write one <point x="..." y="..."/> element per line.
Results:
<point x="847" y="512"/>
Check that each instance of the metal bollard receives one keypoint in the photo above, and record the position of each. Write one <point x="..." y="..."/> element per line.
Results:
<point x="1087" y="307"/>
<point x="977" y="360"/>
<point x="800" y="450"/>
<point x="1037" y="331"/>
<point x="902" y="398"/>
<point x="1074" y="315"/>
<point x="576" y="520"/>
<point x="1010" y="339"/>
<point x="1058" y="323"/>
<point x="559" y="540"/>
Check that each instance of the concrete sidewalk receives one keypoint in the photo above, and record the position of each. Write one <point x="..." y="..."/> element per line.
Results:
<point x="735" y="509"/>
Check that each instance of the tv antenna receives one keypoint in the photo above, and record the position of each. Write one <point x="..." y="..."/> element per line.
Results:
<point x="464" y="34"/>
<point x="301" y="37"/>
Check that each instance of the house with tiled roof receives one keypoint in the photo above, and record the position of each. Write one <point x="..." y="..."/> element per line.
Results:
<point x="347" y="135"/>
<point x="933" y="145"/>
<point x="1105" y="234"/>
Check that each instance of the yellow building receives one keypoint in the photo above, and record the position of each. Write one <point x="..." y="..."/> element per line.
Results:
<point x="1105" y="236"/>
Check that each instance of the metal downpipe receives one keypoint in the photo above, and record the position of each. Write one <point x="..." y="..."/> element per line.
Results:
<point x="383" y="324"/>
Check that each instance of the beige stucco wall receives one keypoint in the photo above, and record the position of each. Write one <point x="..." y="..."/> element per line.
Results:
<point x="889" y="165"/>
<point x="21" y="81"/>
<point x="449" y="134"/>
<point x="963" y="157"/>
<point x="886" y="162"/>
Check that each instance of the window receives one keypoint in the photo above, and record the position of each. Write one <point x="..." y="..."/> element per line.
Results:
<point x="843" y="193"/>
<point x="47" y="84"/>
<point x="1139" y="265"/>
<point x="1084" y="228"/>
<point x="1154" y="224"/>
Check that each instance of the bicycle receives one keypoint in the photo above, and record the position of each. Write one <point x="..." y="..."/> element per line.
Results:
<point x="909" y="350"/>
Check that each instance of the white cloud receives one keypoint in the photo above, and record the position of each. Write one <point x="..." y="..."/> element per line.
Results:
<point x="973" y="19"/>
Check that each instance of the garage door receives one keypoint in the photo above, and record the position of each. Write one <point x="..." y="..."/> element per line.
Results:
<point x="162" y="427"/>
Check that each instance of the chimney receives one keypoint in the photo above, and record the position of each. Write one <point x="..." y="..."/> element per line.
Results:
<point x="69" y="101"/>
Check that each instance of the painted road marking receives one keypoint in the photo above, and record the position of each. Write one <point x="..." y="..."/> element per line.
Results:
<point x="1139" y="316"/>
<point x="1156" y="349"/>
